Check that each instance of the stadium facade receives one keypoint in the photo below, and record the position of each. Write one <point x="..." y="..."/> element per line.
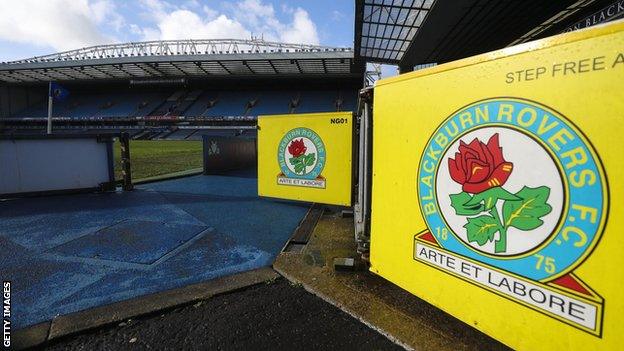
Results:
<point x="163" y="89"/>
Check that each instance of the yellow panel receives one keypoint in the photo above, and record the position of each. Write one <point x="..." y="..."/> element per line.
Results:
<point x="306" y="157"/>
<point x="498" y="186"/>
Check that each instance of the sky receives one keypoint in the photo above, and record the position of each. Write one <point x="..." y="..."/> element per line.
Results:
<point x="37" y="27"/>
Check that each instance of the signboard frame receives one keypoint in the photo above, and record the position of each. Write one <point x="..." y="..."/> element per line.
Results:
<point x="319" y="139"/>
<point x="448" y="191"/>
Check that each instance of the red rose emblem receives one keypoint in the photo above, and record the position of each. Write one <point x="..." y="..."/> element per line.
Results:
<point x="478" y="166"/>
<point x="297" y="148"/>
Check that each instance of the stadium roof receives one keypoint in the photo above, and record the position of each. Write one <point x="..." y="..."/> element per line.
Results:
<point x="414" y="32"/>
<point x="183" y="58"/>
<point x="384" y="29"/>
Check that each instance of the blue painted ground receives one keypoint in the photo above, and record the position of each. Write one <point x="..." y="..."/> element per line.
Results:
<point x="68" y="253"/>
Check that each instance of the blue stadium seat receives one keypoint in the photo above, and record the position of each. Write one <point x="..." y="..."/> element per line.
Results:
<point x="230" y="103"/>
<point x="317" y="101"/>
<point x="272" y="102"/>
<point x="220" y="105"/>
<point x="201" y="104"/>
<point x="39" y="109"/>
<point x="123" y="105"/>
<point x="349" y="100"/>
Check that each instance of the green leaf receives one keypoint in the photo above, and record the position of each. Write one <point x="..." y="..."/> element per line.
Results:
<point x="458" y="201"/>
<point x="481" y="229"/>
<point x="295" y="160"/>
<point x="309" y="159"/>
<point x="298" y="163"/>
<point x="299" y="167"/>
<point x="525" y="214"/>
<point x="489" y="197"/>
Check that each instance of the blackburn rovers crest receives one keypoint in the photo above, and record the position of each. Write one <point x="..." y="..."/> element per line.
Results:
<point x="301" y="158"/>
<point x="515" y="199"/>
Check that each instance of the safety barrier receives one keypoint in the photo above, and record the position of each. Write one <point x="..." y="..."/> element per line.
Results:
<point x="43" y="164"/>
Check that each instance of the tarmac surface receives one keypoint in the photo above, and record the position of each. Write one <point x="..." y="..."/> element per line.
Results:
<point x="70" y="253"/>
<point x="270" y="316"/>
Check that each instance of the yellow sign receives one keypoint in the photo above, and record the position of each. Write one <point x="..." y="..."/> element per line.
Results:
<point x="498" y="189"/>
<point x="306" y="157"/>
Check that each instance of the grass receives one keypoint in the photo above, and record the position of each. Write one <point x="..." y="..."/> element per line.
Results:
<point x="149" y="158"/>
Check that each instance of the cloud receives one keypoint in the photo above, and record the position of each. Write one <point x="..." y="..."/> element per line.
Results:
<point x="155" y="8"/>
<point x="337" y="15"/>
<point x="185" y="24"/>
<point x="262" y="19"/>
<point x="71" y="24"/>
<point x="191" y="4"/>
<point x="60" y="24"/>
<point x="210" y="13"/>
<point x="105" y="12"/>
<point x="239" y="20"/>
<point x="301" y="30"/>
<point x="255" y="13"/>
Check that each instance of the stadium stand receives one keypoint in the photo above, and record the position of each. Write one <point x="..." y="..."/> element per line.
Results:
<point x="315" y="101"/>
<point x="36" y="110"/>
<point x="197" y="103"/>
<point x="154" y="92"/>
<point x="229" y="103"/>
<point x="202" y="104"/>
<point x="99" y="106"/>
<point x="170" y="105"/>
<point x="272" y="102"/>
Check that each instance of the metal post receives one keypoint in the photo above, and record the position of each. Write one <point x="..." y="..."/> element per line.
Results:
<point x="362" y="206"/>
<point x="124" y="142"/>
<point x="50" y="107"/>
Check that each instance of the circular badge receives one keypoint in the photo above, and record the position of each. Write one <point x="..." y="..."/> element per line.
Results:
<point x="513" y="184"/>
<point x="301" y="154"/>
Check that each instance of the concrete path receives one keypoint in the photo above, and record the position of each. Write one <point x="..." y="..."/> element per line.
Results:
<point x="392" y="311"/>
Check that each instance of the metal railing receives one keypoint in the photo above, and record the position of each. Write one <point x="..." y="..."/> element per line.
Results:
<point x="179" y="47"/>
